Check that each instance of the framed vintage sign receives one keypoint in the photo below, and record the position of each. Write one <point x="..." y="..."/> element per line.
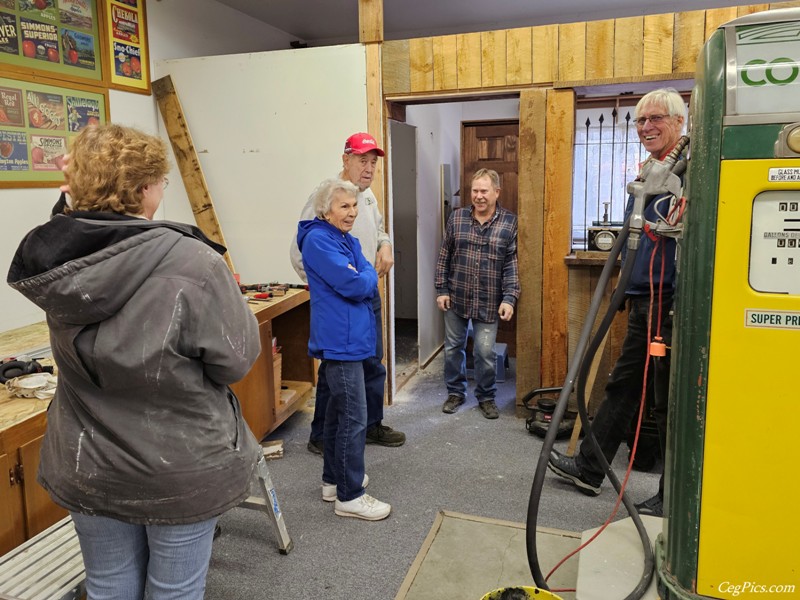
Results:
<point x="37" y="122"/>
<point x="127" y="44"/>
<point x="58" y="38"/>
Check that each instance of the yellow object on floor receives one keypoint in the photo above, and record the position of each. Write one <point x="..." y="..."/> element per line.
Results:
<point x="520" y="593"/>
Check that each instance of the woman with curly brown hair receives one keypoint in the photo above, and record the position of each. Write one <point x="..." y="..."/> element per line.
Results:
<point x="145" y="444"/>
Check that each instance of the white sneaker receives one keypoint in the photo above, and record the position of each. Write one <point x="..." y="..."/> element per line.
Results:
<point x="329" y="489"/>
<point x="364" y="507"/>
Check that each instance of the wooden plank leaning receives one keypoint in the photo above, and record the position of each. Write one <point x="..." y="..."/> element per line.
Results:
<point x="189" y="165"/>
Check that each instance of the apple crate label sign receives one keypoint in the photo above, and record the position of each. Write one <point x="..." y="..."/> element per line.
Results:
<point x="76" y="13"/>
<point x="771" y="319"/>
<point x="127" y="61"/>
<point x="13" y="151"/>
<point x="82" y="112"/>
<point x="11" y="110"/>
<point x="9" y="42"/>
<point x="78" y="49"/>
<point x="45" y="111"/>
<point x="125" y="23"/>
<point x="39" y="40"/>
<point x="47" y="152"/>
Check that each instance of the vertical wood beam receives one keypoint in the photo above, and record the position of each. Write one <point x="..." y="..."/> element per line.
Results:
<point x="657" y="44"/>
<point x="493" y="58"/>
<point x="544" y="40"/>
<point x="396" y="67"/>
<point x="188" y="164"/>
<point x="421" y="60"/>
<point x="370" y="21"/>
<point x="628" y="51"/>
<point x="445" y="63"/>
<point x="468" y="52"/>
<point x="600" y="49"/>
<point x="572" y="51"/>
<point x="690" y="28"/>
<point x="559" y="133"/>
<point x="519" y="56"/>
<point x="530" y="244"/>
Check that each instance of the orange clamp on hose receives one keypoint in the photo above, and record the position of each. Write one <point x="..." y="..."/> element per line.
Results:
<point x="658" y="347"/>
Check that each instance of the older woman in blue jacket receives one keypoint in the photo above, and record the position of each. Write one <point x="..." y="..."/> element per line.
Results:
<point x="342" y="284"/>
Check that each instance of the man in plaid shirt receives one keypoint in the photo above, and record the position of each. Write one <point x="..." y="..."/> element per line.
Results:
<point x="477" y="280"/>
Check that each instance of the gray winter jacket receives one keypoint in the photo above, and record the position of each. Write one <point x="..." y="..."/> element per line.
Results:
<point x="148" y="329"/>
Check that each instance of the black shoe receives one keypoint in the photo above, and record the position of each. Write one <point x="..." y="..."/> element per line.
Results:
<point x="452" y="403"/>
<point x="384" y="435"/>
<point x="489" y="409"/>
<point x="567" y="467"/>
<point x="315" y="447"/>
<point x="653" y="507"/>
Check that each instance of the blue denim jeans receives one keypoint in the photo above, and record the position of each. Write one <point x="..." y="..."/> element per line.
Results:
<point x="345" y="428"/>
<point x="455" y="356"/>
<point x="623" y="391"/>
<point x="157" y="562"/>
<point x="374" y="381"/>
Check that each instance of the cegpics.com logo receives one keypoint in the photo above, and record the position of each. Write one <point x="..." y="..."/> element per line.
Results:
<point x="751" y="587"/>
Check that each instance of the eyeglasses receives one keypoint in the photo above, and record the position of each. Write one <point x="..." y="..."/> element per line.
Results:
<point x="654" y="119"/>
<point x="166" y="182"/>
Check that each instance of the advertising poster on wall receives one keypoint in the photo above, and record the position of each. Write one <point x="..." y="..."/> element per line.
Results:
<point x="37" y="123"/>
<point x="128" y="44"/>
<point x="61" y="37"/>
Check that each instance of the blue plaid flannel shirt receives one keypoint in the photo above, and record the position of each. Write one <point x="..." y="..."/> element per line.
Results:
<point x="477" y="265"/>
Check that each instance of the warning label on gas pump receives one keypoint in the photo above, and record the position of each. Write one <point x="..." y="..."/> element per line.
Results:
<point x="785" y="174"/>
<point x="771" y="319"/>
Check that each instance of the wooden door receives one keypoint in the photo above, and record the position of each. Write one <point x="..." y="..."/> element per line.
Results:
<point x="12" y="530"/>
<point x="493" y="145"/>
<point x="40" y="510"/>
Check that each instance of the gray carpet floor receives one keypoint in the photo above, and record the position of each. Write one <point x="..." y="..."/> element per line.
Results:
<point x="461" y="462"/>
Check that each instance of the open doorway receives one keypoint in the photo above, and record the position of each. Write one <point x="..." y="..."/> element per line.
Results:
<point x="422" y="193"/>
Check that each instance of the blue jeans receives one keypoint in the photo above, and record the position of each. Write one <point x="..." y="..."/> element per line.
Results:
<point x="374" y="380"/>
<point x="455" y="356"/>
<point x="623" y="391"/>
<point x="130" y="562"/>
<point x="345" y="428"/>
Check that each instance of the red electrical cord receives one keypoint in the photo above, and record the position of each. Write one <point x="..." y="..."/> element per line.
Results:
<point x="657" y="245"/>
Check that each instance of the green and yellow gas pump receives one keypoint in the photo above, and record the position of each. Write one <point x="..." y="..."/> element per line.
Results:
<point x="731" y="524"/>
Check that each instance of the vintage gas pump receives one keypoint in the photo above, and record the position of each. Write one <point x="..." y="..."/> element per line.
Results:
<point x="732" y="481"/>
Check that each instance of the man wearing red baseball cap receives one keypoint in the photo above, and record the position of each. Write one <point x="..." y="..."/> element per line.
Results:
<point x="359" y="160"/>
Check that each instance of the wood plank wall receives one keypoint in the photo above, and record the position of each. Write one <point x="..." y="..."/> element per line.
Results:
<point x="652" y="45"/>
<point x="551" y="59"/>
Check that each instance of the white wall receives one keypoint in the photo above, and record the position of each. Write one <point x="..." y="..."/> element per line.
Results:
<point x="177" y="28"/>
<point x="267" y="132"/>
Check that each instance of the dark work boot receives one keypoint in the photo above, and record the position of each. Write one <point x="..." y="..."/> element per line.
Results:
<point x="567" y="467"/>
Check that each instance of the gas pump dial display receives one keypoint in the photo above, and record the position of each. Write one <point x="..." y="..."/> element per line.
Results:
<point x="775" y="242"/>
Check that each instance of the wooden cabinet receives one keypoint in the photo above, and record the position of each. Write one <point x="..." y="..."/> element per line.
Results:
<point x="25" y="507"/>
<point x="286" y="318"/>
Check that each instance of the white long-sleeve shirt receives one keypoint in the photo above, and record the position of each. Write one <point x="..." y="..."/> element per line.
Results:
<point x="367" y="229"/>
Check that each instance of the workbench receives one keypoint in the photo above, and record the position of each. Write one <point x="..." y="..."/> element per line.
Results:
<point x="287" y="318"/>
<point x="26" y="509"/>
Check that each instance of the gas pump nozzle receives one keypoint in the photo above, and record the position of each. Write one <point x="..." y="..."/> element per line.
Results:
<point x="656" y="179"/>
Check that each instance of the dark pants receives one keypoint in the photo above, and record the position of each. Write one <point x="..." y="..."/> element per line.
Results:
<point x="374" y="381"/>
<point x="624" y="388"/>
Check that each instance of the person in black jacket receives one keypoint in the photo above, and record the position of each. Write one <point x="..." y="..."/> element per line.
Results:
<point x="145" y="443"/>
<point x="659" y="118"/>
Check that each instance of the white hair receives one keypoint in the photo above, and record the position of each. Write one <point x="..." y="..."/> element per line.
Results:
<point x="323" y="195"/>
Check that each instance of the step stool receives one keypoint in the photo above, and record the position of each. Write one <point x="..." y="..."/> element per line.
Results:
<point x="501" y="351"/>
<point x="267" y="502"/>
